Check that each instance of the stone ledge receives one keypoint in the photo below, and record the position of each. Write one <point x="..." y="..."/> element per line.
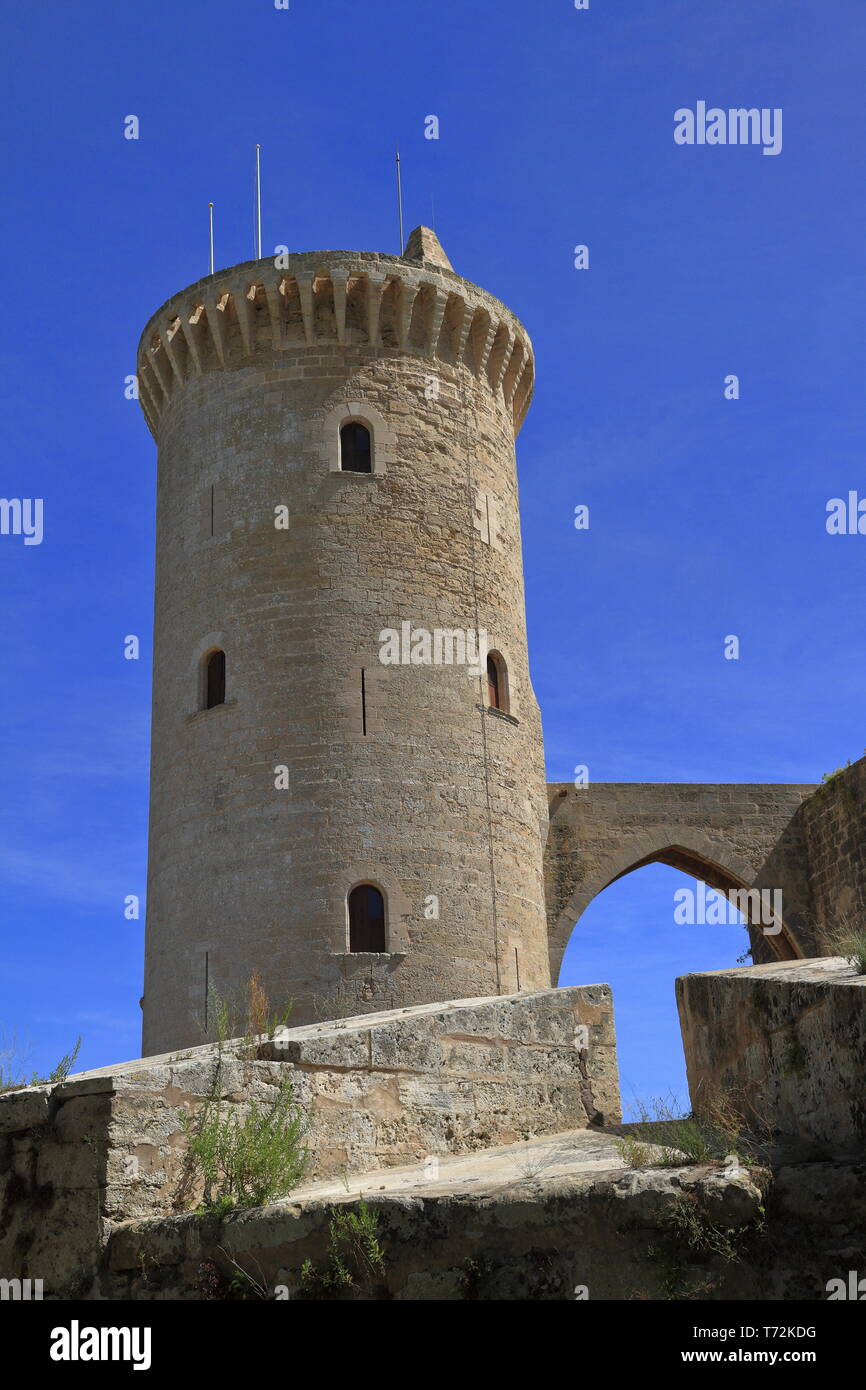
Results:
<point x="526" y="1221"/>
<point x="557" y="1219"/>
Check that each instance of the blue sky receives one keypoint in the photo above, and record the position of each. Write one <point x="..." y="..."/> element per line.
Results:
<point x="707" y="515"/>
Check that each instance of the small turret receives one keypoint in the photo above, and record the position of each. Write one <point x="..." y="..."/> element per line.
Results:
<point x="424" y="246"/>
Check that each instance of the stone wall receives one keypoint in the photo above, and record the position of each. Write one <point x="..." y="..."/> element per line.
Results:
<point x="379" y="1091"/>
<point x="787" y="1044"/>
<point x="832" y="821"/>
<point x="605" y="1232"/>
<point x="599" y="1234"/>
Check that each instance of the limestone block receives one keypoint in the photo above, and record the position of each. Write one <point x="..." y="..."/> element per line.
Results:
<point x="406" y="1046"/>
<point x="25" y="1109"/>
<point x="82" y="1117"/>
<point x="787" y="1043"/>
<point x="336" y="1049"/>
<point x="71" y="1166"/>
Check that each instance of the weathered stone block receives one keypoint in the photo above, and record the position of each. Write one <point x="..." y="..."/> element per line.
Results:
<point x="25" y="1109"/>
<point x="82" y="1117"/>
<point x="786" y="1042"/>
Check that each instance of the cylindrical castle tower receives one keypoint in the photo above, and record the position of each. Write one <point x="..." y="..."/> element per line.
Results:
<point x="337" y="516"/>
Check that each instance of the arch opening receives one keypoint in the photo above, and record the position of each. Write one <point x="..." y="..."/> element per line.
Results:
<point x="214" y="679"/>
<point x="497" y="683"/>
<point x="356" y="447"/>
<point x="643" y="929"/>
<point x="703" y="859"/>
<point x="367" y="921"/>
<point x="760" y="908"/>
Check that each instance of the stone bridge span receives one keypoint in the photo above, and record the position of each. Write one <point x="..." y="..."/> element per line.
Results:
<point x="730" y="835"/>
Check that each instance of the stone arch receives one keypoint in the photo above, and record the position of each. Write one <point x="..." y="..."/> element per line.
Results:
<point x="702" y="859"/>
<point x="730" y="836"/>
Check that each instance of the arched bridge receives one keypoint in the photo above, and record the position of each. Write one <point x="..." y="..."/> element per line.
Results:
<point x="731" y="835"/>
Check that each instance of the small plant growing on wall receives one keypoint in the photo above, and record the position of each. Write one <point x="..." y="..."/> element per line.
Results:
<point x="13" y="1076"/>
<point x="248" y="1018"/>
<point x="848" y="939"/>
<point x="690" y="1237"/>
<point x="246" y="1156"/>
<point x="664" y="1137"/>
<point x="355" y="1259"/>
<point x="249" y="1161"/>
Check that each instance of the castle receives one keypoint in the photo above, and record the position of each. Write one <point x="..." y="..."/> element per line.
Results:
<point x="371" y="831"/>
<point x="348" y="797"/>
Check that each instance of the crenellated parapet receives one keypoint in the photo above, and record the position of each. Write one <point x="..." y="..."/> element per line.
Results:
<point x="381" y="304"/>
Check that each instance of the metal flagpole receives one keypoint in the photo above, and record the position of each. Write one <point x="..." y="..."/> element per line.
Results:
<point x="210" y="217"/>
<point x="258" y="204"/>
<point x="400" y="201"/>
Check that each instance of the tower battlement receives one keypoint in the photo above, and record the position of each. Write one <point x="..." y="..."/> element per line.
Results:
<point x="368" y="301"/>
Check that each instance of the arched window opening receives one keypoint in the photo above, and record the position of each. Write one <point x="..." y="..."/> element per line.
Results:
<point x="497" y="683"/>
<point x="215" y="680"/>
<point x="366" y="919"/>
<point x="356" y="448"/>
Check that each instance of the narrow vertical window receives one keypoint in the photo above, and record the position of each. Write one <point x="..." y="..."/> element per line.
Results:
<point x="356" y="452"/>
<point x="492" y="684"/>
<point x="215" y="680"/>
<point x="366" y="919"/>
<point x="497" y="683"/>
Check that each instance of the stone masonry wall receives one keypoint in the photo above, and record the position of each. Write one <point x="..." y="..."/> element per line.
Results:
<point x="380" y="1091"/>
<point x="832" y="822"/>
<point x="786" y="1042"/>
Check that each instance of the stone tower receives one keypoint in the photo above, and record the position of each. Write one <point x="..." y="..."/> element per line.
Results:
<point x="314" y="765"/>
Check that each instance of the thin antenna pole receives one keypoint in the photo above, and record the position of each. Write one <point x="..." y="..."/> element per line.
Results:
<point x="258" y="203"/>
<point x="400" y="201"/>
<point x="210" y="217"/>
